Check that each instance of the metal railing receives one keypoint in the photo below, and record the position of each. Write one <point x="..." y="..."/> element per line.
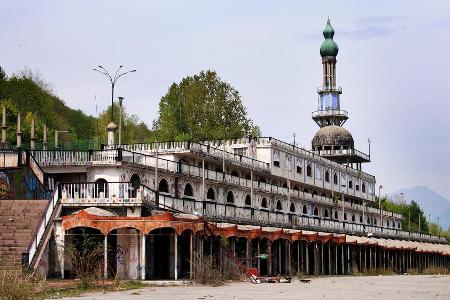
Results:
<point x="329" y="112"/>
<point x="329" y="89"/>
<point x="9" y="158"/>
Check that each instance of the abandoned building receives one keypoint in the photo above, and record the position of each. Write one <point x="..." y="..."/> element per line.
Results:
<point x="309" y="211"/>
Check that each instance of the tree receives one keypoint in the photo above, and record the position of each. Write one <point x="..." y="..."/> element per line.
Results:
<point x="203" y="107"/>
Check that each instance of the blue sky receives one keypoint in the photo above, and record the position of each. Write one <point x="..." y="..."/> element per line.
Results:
<point x="393" y="65"/>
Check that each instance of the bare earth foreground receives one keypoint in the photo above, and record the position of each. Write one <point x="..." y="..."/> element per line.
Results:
<point x="365" y="287"/>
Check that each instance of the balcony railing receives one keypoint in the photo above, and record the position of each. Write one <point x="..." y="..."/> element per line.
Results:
<point x="343" y="152"/>
<point x="321" y="113"/>
<point x="9" y="159"/>
<point x="323" y="89"/>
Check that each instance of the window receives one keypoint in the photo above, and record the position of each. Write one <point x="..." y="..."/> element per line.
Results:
<point x="318" y="173"/>
<point x="292" y="208"/>
<point x="308" y="170"/>
<point x="211" y="195"/>
<point x="279" y="207"/>
<point x="305" y="210"/>
<point x="360" y="219"/>
<point x="368" y="220"/>
<point x="353" y="218"/>
<point x="325" y="213"/>
<point x="276" y="159"/>
<point x="240" y="151"/>
<point x="163" y="186"/>
<point x="387" y="223"/>
<point x="316" y="211"/>
<point x="188" y="190"/>
<point x="335" y="178"/>
<point x="327" y="176"/>
<point x="363" y="188"/>
<point x="336" y="215"/>
<point x="230" y="197"/>
<point x="264" y="203"/>
<point x="345" y="216"/>
<point x="234" y="173"/>
<point x="102" y="188"/>
<point x="298" y="165"/>
<point x="375" y="221"/>
<point x="350" y="184"/>
<point x="398" y="225"/>
<point x="248" y="200"/>
<point x="393" y="224"/>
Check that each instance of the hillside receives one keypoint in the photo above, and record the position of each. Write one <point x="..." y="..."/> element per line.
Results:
<point x="431" y="202"/>
<point x="29" y="94"/>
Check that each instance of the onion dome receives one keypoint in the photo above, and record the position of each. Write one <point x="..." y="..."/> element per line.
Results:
<point x="332" y="136"/>
<point x="328" y="47"/>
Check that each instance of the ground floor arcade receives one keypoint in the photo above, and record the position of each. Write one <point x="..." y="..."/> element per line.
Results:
<point x="168" y="246"/>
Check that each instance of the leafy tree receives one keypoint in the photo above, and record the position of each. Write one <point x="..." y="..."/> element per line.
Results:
<point x="203" y="107"/>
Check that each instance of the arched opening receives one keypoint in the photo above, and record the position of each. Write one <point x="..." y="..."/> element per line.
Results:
<point x="211" y="195"/>
<point x="325" y="213"/>
<point x="363" y="188"/>
<point x="163" y="186"/>
<point x="234" y="173"/>
<point x="230" y="197"/>
<point x="279" y="207"/>
<point x="336" y="215"/>
<point x="135" y="184"/>
<point x="335" y="178"/>
<point x="305" y="210"/>
<point x="316" y="211"/>
<point x="101" y="188"/>
<point x="345" y="216"/>
<point x="292" y="208"/>
<point x="375" y="221"/>
<point x="387" y="223"/>
<point x="264" y="203"/>
<point x="188" y="191"/>
<point x="368" y="220"/>
<point x="327" y="176"/>
<point x="295" y="188"/>
<point x="353" y="218"/>
<point x="360" y="219"/>
<point x="248" y="200"/>
<point x="160" y="248"/>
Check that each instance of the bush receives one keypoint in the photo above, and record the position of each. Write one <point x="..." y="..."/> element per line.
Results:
<point x="16" y="286"/>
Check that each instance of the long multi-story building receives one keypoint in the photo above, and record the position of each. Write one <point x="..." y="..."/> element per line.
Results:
<point x="310" y="211"/>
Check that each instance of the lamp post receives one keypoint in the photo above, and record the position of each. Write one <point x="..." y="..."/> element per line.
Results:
<point x="120" y="120"/>
<point x="112" y="80"/>
<point x="379" y="204"/>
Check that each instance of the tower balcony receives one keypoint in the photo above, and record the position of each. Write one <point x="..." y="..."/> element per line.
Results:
<point x="344" y="155"/>
<point x="330" y="113"/>
<point x="325" y="89"/>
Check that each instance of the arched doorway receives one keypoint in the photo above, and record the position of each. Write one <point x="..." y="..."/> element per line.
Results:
<point x="163" y="186"/>
<point x="135" y="181"/>
<point x="101" y="188"/>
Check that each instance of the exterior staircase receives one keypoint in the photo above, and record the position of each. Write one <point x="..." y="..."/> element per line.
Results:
<point x="18" y="222"/>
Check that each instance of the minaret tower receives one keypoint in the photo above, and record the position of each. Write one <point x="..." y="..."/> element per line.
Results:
<point x="329" y="106"/>
<point x="332" y="140"/>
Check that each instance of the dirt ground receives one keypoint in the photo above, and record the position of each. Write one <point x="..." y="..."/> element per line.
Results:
<point x="364" y="287"/>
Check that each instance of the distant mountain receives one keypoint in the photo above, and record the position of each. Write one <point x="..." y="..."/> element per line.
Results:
<point x="431" y="202"/>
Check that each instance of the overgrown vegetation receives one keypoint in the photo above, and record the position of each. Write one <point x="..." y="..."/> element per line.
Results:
<point x="16" y="286"/>
<point x="203" y="107"/>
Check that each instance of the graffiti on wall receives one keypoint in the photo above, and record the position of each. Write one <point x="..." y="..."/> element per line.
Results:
<point x="6" y="191"/>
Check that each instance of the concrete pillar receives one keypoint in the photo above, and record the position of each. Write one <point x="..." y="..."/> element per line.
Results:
<point x="336" y="259"/>
<point x="4" y="126"/>
<point x="142" y="256"/>
<point x="258" y="253"/>
<point x="288" y="269"/>
<point x="342" y="259"/>
<point x="349" y="266"/>
<point x="248" y="253"/>
<point x="175" y="255"/>
<point x="370" y="257"/>
<point x="298" y="257"/>
<point x="269" y="263"/>
<point x="307" y="257"/>
<point x="44" y="140"/>
<point x="111" y="128"/>
<point x="329" y="258"/>
<point x="191" y="254"/>
<point x="19" y="131"/>
<point x="105" y="256"/>
<point x="59" y="237"/>
<point x="32" y="136"/>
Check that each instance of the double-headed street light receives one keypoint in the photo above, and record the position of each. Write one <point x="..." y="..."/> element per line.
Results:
<point x="113" y="80"/>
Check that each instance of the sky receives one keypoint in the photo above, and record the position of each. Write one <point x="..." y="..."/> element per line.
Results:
<point x="393" y="66"/>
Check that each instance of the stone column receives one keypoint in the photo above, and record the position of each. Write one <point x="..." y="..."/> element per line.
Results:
<point x="105" y="256"/>
<point x="59" y="237"/>
<point x="175" y="255"/>
<point x="44" y="140"/>
<point x="111" y="128"/>
<point x="32" y="136"/>
<point x="142" y="256"/>
<point x="19" y="131"/>
<point x="4" y="126"/>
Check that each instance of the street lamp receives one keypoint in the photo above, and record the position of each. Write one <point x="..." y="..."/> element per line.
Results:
<point x="120" y="120"/>
<point x="113" y="80"/>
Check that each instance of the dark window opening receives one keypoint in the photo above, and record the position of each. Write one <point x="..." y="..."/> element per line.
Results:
<point x="305" y="210"/>
<point x="248" y="200"/>
<point x="279" y="205"/>
<point x="292" y="208"/>
<point x="327" y="176"/>
<point x="308" y="170"/>
<point x="264" y="203"/>
<point x="188" y="190"/>
<point x="163" y="186"/>
<point x="335" y="178"/>
<point x="211" y="195"/>
<point x="230" y="197"/>
<point x="316" y="211"/>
